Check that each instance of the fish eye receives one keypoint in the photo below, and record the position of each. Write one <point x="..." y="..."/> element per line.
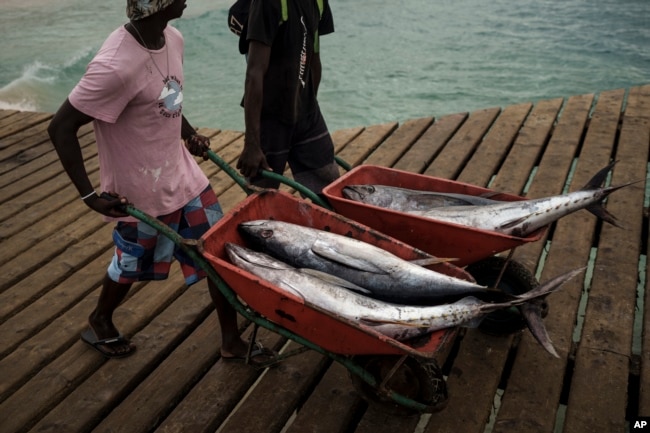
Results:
<point x="265" y="234"/>
<point x="371" y="189"/>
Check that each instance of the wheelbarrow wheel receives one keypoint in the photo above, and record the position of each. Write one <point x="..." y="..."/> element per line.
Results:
<point x="420" y="381"/>
<point x="516" y="279"/>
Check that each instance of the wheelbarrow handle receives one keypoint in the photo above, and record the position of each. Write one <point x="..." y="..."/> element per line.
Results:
<point x="305" y="192"/>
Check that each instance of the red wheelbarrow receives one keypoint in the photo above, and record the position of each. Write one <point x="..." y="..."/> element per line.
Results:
<point x="474" y="248"/>
<point x="471" y="247"/>
<point x="439" y="238"/>
<point x="401" y="375"/>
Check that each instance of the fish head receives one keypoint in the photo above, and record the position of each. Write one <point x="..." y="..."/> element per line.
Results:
<point x="257" y="232"/>
<point x="358" y="192"/>
<point x="262" y="229"/>
<point x="248" y="259"/>
<point x="376" y="195"/>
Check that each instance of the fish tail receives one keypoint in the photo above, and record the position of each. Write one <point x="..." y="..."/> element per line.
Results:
<point x="538" y="292"/>
<point x="532" y="312"/>
<point x="548" y="287"/>
<point x="600" y="177"/>
<point x="594" y="184"/>
<point x="599" y="210"/>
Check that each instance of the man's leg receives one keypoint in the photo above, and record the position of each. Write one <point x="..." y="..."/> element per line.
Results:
<point x="312" y="154"/>
<point x="231" y="342"/>
<point x="101" y="319"/>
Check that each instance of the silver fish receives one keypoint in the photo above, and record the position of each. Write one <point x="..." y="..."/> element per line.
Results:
<point x="521" y="218"/>
<point x="385" y="275"/>
<point x="399" y="322"/>
<point x="404" y="199"/>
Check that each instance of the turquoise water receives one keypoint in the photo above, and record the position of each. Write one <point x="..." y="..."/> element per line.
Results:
<point x="387" y="60"/>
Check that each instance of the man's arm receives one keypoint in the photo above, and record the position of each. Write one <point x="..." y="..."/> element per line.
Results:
<point x="197" y="144"/>
<point x="63" y="131"/>
<point x="252" y="159"/>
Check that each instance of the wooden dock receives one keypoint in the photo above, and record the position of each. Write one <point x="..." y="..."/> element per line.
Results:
<point x="55" y="251"/>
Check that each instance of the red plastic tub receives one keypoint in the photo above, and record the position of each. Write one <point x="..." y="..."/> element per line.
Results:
<point x="438" y="238"/>
<point x="331" y="332"/>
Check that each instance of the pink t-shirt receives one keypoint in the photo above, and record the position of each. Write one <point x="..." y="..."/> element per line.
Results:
<point x="136" y="104"/>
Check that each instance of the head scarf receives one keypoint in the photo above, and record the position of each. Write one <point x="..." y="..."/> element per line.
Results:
<point x="138" y="9"/>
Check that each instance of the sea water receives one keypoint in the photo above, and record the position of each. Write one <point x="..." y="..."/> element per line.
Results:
<point x="387" y="61"/>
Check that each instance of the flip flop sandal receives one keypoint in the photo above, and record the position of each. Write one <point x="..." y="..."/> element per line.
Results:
<point x="88" y="336"/>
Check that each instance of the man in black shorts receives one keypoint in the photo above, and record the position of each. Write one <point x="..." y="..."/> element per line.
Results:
<point x="283" y="120"/>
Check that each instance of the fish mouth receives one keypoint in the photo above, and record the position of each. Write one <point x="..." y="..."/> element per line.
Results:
<point x="352" y="193"/>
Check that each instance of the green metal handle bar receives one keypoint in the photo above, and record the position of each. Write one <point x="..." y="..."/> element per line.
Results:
<point x="305" y="192"/>
<point x="189" y="246"/>
<point x="342" y="163"/>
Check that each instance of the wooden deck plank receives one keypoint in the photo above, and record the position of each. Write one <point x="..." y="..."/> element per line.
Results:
<point x="478" y="344"/>
<point x="570" y="249"/>
<point x="51" y="381"/>
<point x="331" y="407"/>
<point x="362" y="145"/>
<point x="450" y="161"/>
<point x="422" y="152"/>
<point x="8" y="113"/>
<point x="39" y="185"/>
<point x="528" y="146"/>
<point x="211" y="399"/>
<point x="377" y="420"/>
<point x="399" y="142"/>
<point x="495" y="145"/>
<point x="29" y="144"/>
<point x="606" y="339"/>
<point x="19" y="122"/>
<point x="29" y="288"/>
<point x="641" y="111"/>
<point x="80" y="408"/>
<point x="530" y="404"/>
<point x="60" y="298"/>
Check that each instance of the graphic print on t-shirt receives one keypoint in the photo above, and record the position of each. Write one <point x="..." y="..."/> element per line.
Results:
<point x="170" y="100"/>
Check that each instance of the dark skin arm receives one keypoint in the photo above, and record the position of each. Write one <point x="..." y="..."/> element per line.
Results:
<point x="197" y="144"/>
<point x="252" y="160"/>
<point x="63" y="131"/>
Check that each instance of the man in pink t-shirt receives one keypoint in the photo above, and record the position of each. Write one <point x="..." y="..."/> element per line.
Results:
<point x="132" y="91"/>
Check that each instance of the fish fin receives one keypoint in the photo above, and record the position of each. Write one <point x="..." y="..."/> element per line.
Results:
<point x="333" y="279"/>
<point x="602" y="213"/>
<point x="432" y="261"/>
<point x="532" y="313"/>
<point x="327" y="251"/>
<point x="489" y="194"/>
<point x="599" y="178"/>
<point x="368" y="321"/>
<point x="293" y="290"/>
<point x="513" y="223"/>
<point x="550" y="286"/>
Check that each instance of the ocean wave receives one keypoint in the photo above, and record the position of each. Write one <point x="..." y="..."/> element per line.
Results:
<point x="43" y="86"/>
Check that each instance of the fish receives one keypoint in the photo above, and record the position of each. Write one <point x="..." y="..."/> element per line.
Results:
<point x="522" y="218"/>
<point x="400" y="322"/>
<point x="377" y="271"/>
<point x="404" y="199"/>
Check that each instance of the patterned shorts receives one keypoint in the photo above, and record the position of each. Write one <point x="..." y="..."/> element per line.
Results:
<point x="142" y="253"/>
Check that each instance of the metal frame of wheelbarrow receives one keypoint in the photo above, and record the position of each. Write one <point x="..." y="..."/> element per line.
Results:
<point x="304" y="191"/>
<point x="189" y="246"/>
